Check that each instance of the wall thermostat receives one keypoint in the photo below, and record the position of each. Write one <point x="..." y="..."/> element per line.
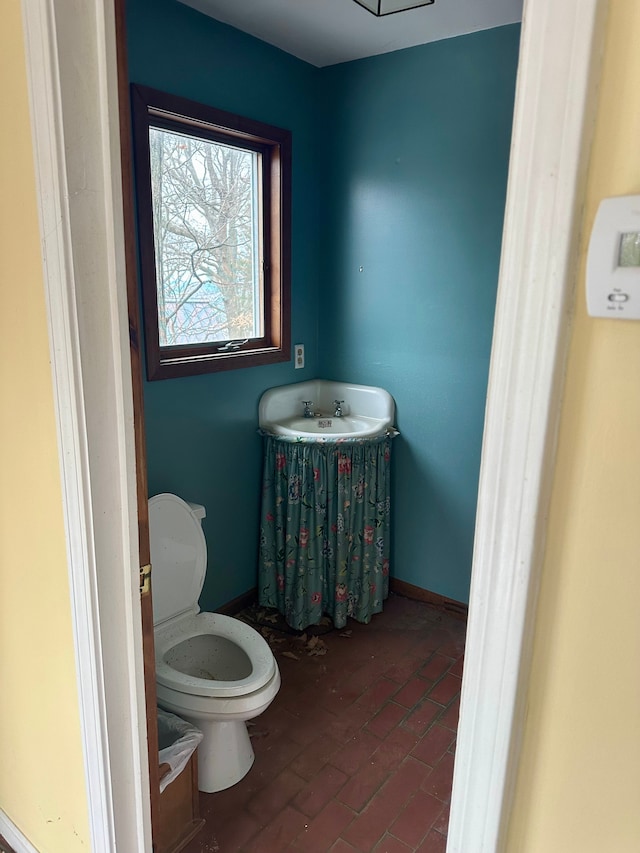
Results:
<point x="613" y="260"/>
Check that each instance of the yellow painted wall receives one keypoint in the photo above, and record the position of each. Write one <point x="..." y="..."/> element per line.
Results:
<point x="578" y="789"/>
<point x="41" y="772"/>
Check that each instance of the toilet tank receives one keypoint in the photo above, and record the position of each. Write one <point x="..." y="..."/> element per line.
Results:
<point x="197" y="509"/>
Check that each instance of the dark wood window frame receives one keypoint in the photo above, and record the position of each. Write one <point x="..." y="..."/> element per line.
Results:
<point x="151" y="108"/>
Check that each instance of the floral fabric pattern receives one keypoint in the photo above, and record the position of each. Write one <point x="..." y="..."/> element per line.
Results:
<point x="325" y="524"/>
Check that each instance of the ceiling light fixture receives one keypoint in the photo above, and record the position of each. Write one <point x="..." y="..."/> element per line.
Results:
<point x="379" y="8"/>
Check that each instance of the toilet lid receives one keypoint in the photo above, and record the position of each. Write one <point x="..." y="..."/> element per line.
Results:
<point x="178" y="556"/>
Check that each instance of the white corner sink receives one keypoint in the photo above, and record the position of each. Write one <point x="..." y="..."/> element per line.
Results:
<point x="367" y="411"/>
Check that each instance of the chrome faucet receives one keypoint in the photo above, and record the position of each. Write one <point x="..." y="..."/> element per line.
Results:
<point x="308" y="413"/>
<point x="338" y="411"/>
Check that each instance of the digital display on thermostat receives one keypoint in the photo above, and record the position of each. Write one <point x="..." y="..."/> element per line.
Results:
<point x="629" y="255"/>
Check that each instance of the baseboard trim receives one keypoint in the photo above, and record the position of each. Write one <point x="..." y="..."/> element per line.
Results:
<point x="408" y="590"/>
<point x="237" y="604"/>
<point x="396" y="586"/>
<point x="12" y="835"/>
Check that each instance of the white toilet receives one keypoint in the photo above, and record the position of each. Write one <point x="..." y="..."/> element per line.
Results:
<point x="212" y="670"/>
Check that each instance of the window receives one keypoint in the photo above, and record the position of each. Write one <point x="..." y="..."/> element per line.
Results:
<point x="214" y="218"/>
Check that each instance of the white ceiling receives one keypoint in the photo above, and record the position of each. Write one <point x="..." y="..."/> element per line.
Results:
<point x="325" y="32"/>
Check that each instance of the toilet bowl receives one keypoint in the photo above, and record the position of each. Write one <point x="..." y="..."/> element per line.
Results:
<point x="212" y="670"/>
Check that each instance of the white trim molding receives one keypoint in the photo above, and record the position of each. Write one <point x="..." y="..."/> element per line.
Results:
<point x="552" y="132"/>
<point x="71" y="69"/>
<point x="12" y="835"/>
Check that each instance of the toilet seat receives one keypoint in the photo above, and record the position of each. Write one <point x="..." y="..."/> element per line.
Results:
<point x="263" y="665"/>
<point x="178" y="557"/>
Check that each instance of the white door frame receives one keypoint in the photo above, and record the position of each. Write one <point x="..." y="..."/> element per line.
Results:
<point x="72" y="75"/>
<point x="71" y="63"/>
<point x="560" y="58"/>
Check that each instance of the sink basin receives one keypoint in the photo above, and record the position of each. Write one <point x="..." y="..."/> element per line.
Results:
<point x="348" y="426"/>
<point x="367" y="411"/>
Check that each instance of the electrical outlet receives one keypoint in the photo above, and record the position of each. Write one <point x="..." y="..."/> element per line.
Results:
<point x="298" y="355"/>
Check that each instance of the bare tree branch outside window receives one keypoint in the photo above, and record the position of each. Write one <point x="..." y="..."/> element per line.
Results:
<point x="206" y="228"/>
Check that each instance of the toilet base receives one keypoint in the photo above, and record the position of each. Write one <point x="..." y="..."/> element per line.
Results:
<point x="225" y="755"/>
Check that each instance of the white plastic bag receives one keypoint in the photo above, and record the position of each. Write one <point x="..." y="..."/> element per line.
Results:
<point x="177" y="741"/>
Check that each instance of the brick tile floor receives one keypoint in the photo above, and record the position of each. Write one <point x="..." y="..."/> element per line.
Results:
<point x="356" y="751"/>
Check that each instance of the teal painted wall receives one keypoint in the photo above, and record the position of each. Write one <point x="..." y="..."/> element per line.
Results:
<point x="202" y="440"/>
<point x="419" y="167"/>
<point x="400" y="166"/>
